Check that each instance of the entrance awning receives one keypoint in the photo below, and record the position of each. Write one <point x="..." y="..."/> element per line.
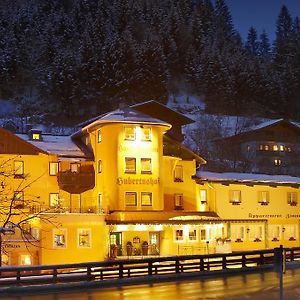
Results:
<point x="161" y="217"/>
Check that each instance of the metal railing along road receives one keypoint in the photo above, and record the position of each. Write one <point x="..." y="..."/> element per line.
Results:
<point x="134" y="268"/>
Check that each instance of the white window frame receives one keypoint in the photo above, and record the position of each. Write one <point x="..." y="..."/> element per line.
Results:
<point x="178" y="201"/>
<point x="53" y="168"/>
<point x="178" y="173"/>
<point x="238" y="233"/>
<point x="203" y="196"/>
<point x="264" y="197"/>
<point x="146" y="137"/>
<point x="99" y="166"/>
<point x="60" y="232"/>
<point x="292" y="198"/>
<point x="57" y="200"/>
<point x="196" y="236"/>
<point x="84" y="231"/>
<point x="256" y="232"/>
<point x="99" y="136"/>
<point x="274" y="232"/>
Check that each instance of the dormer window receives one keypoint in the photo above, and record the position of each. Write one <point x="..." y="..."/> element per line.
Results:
<point x="35" y="135"/>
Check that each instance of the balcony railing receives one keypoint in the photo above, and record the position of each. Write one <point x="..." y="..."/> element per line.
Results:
<point x="76" y="182"/>
<point x="65" y="209"/>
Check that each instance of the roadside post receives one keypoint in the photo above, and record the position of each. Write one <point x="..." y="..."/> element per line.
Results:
<point x="279" y="266"/>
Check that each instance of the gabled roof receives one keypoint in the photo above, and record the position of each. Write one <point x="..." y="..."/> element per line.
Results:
<point x="55" y="144"/>
<point x="176" y="149"/>
<point x="262" y="126"/>
<point x="247" y="178"/>
<point x="158" y="110"/>
<point x="125" y="115"/>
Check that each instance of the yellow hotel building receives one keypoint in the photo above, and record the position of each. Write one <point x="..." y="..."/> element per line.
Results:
<point x="124" y="185"/>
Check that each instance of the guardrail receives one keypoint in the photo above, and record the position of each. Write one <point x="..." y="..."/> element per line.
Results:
<point x="133" y="268"/>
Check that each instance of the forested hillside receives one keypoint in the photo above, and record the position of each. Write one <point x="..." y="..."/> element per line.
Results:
<point x="70" y="59"/>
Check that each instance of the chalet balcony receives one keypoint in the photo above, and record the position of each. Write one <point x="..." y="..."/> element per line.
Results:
<point x="76" y="182"/>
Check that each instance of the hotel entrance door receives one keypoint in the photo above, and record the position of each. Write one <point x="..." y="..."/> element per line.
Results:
<point x="116" y="241"/>
<point x="154" y="243"/>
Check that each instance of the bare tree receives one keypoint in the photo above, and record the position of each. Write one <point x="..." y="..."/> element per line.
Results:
<point x="18" y="209"/>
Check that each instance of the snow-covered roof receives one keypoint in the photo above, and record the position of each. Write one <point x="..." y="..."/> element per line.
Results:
<point x="264" y="125"/>
<point x="55" y="144"/>
<point x="247" y="177"/>
<point x="125" y="115"/>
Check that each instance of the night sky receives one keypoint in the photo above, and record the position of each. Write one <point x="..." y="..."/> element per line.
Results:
<point x="261" y="14"/>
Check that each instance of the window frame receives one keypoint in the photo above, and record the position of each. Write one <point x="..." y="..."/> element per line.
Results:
<point x="57" y="200"/>
<point x="232" y="199"/>
<point x="144" y="159"/>
<point x="178" y="199"/>
<point x="263" y="200"/>
<point x="151" y="199"/>
<point x="78" y="166"/>
<point x="18" y="173"/>
<point x="130" y="171"/>
<point x="146" y="137"/>
<point x="129" y="136"/>
<point x="88" y="233"/>
<point x="19" y="202"/>
<point x="292" y="201"/>
<point x="99" y="136"/>
<point x="130" y="193"/>
<point x="60" y="232"/>
<point x="176" y="236"/>
<point x="178" y="175"/>
<point x="56" y="164"/>
<point x="99" y="166"/>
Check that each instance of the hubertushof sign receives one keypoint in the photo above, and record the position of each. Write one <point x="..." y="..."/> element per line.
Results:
<point x="148" y="181"/>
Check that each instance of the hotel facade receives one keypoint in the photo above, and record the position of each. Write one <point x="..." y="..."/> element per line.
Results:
<point x="124" y="185"/>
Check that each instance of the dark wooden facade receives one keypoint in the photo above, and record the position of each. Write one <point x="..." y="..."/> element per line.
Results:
<point x="77" y="182"/>
<point x="12" y="144"/>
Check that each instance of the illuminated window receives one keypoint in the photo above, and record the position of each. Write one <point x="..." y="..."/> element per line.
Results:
<point x="130" y="165"/>
<point x="75" y="167"/>
<point x="266" y="147"/>
<point x="179" y="235"/>
<point x="261" y="147"/>
<point x="130" y="133"/>
<point x="99" y="166"/>
<point x="203" y="196"/>
<point x="18" y="168"/>
<point x="274" y="232"/>
<point x="146" y="166"/>
<point x="84" y="238"/>
<point x="178" y="174"/>
<point x="54" y="200"/>
<point x="99" y="136"/>
<point x="275" y="147"/>
<point x="146" y="199"/>
<point x="25" y="260"/>
<point x="178" y="201"/>
<point x="288" y="149"/>
<point x="256" y="233"/>
<point x="130" y="199"/>
<point x="235" y="197"/>
<point x="292" y="198"/>
<point x="277" y="162"/>
<point x="281" y="147"/>
<point x="203" y="234"/>
<point x="18" y="199"/>
<point x="263" y="197"/>
<point x="193" y="235"/>
<point x="59" y="238"/>
<point x="237" y="233"/>
<point x="36" y="136"/>
<point x="146" y="134"/>
<point x="290" y="232"/>
<point x="53" y="168"/>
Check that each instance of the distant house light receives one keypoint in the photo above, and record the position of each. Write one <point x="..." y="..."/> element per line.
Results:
<point x="35" y="135"/>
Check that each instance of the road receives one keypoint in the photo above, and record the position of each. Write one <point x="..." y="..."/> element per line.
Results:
<point x="258" y="286"/>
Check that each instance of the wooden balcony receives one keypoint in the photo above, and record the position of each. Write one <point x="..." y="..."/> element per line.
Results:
<point x="76" y="182"/>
